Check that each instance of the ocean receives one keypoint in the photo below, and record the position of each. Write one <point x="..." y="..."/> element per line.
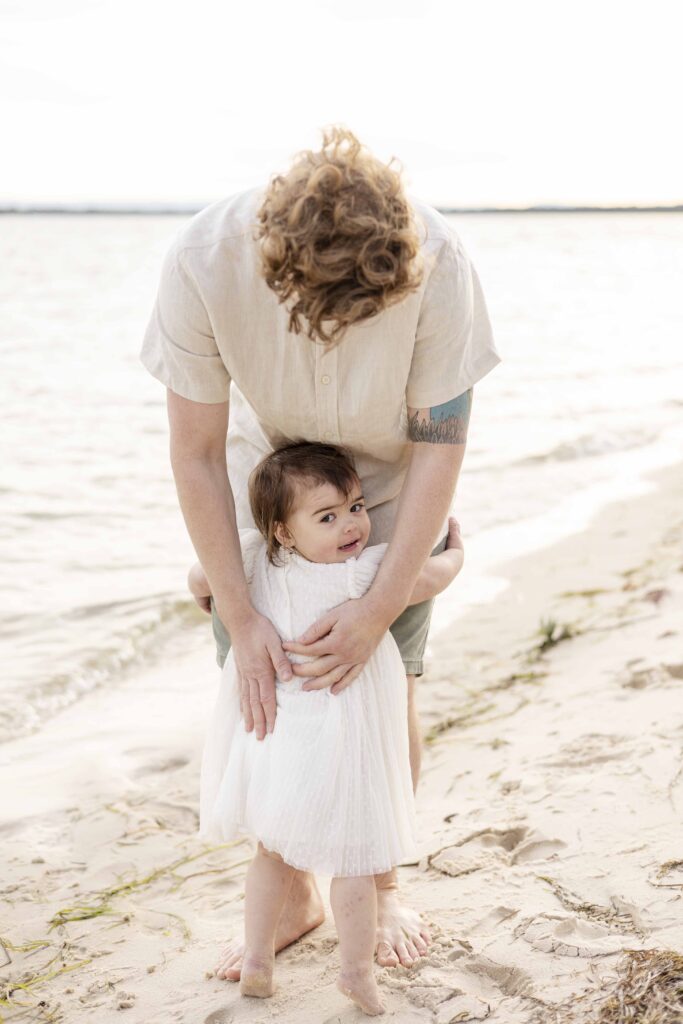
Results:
<point x="587" y="311"/>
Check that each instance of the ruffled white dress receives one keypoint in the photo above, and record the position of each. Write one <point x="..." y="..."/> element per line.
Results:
<point x="330" y="788"/>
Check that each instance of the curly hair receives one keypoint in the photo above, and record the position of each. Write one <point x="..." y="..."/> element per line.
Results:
<point x="338" y="237"/>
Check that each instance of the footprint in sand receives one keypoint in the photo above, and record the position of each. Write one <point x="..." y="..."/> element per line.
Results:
<point x="654" y="676"/>
<point x="470" y="990"/>
<point x="224" y="1016"/>
<point x="593" y="748"/>
<point x="512" y="981"/>
<point x="567" y="935"/>
<point x="440" y="991"/>
<point x="492" y="847"/>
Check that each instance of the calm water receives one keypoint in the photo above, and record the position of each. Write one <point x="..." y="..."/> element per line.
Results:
<point x="588" y="318"/>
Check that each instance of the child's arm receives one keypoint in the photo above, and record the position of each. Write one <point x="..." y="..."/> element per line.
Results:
<point x="440" y="570"/>
<point x="199" y="586"/>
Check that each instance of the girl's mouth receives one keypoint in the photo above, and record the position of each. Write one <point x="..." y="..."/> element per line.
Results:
<point x="351" y="545"/>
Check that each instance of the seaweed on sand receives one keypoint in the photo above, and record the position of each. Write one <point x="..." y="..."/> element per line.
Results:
<point x="648" y="991"/>
<point x="84" y="911"/>
<point x="551" y="633"/>
<point x="670" y="867"/>
<point x="621" y="920"/>
<point x="12" y="990"/>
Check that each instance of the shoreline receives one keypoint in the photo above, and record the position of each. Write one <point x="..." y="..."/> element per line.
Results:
<point x="500" y="576"/>
<point x="188" y="209"/>
<point x="540" y="764"/>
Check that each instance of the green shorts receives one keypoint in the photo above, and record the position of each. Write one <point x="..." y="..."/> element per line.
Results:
<point x="409" y="630"/>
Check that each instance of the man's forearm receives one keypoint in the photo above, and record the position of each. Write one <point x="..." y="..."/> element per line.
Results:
<point x="208" y="508"/>
<point x="423" y="506"/>
<point x="438" y="435"/>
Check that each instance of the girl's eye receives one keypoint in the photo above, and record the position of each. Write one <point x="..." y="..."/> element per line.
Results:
<point x="358" y="505"/>
<point x="324" y="518"/>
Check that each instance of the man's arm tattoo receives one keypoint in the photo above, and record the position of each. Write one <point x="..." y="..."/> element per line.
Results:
<point x="442" y="424"/>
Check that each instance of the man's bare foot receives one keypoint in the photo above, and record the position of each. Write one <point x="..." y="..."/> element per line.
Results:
<point x="256" y="977"/>
<point x="302" y="912"/>
<point x="401" y="935"/>
<point x="359" y="985"/>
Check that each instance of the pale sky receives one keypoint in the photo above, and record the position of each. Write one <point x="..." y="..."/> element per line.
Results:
<point x="484" y="102"/>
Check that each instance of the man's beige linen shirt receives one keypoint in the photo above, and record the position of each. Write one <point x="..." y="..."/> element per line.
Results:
<point x="217" y="333"/>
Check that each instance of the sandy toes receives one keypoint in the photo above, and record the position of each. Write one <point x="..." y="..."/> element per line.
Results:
<point x="401" y="935"/>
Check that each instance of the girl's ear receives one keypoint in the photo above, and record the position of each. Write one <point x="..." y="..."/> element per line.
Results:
<point x="282" y="535"/>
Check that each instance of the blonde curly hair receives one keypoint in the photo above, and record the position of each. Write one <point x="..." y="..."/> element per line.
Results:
<point x="338" y="237"/>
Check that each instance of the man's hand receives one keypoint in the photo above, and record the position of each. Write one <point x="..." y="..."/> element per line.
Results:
<point x="343" y="639"/>
<point x="258" y="654"/>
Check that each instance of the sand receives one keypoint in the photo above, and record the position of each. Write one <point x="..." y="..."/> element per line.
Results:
<point x="549" y="811"/>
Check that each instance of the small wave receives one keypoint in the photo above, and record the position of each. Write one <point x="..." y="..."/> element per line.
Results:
<point x="129" y="607"/>
<point x="43" y="514"/>
<point x="590" y="445"/>
<point x="133" y="648"/>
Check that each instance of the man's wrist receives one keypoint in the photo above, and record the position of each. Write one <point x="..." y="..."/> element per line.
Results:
<point x="237" y="618"/>
<point x="384" y="609"/>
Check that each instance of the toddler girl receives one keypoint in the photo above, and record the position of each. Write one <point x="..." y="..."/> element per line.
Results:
<point x="329" y="790"/>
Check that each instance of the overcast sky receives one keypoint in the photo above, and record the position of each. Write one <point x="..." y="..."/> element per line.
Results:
<point x="483" y="102"/>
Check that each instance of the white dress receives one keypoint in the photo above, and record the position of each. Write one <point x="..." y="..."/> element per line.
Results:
<point x="330" y="788"/>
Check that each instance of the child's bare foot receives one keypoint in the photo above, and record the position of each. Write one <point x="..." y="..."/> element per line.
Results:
<point x="256" y="977"/>
<point x="358" y="983"/>
<point x="454" y="537"/>
<point x="302" y="913"/>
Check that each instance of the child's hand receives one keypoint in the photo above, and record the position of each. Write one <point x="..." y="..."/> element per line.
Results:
<point x="199" y="587"/>
<point x="204" y="603"/>
<point x="454" y="536"/>
<point x="440" y="570"/>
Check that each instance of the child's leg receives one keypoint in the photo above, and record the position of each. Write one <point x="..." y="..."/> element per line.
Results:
<point x="354" y="905"/>
<point x="267" y="886"/>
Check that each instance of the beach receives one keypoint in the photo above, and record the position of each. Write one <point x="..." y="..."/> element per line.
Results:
<point x="549" y="812"/>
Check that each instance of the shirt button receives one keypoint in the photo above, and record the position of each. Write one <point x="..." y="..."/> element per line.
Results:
<point x="326" y="436"/>
<point x="325" y="379"/>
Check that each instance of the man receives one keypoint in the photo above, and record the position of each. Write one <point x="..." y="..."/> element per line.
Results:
<point x="396" y="335"/>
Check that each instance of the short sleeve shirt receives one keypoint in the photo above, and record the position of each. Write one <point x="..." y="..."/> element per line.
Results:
<point x="217" y="333"/>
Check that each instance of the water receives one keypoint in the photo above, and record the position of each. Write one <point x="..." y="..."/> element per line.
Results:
<point x="588" y="318"/>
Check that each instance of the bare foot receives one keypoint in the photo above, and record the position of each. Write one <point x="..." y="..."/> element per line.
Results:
<point x="302" y="912"/>
<point x="256" y="977"/>
<point x="359" y="985"/>
<point x="401" y="935"/>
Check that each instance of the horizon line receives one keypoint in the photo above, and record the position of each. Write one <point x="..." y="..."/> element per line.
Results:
<point x="191" y="208"/>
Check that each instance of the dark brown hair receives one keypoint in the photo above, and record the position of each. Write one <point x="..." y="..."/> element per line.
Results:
<point x="338" y="236"/>
<point x="273" y="482"/>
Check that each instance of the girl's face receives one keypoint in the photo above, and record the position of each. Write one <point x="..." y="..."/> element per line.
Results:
<point x="326" y="525"/>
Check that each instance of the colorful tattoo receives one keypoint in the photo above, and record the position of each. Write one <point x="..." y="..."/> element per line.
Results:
<point x="442" y="424"/>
